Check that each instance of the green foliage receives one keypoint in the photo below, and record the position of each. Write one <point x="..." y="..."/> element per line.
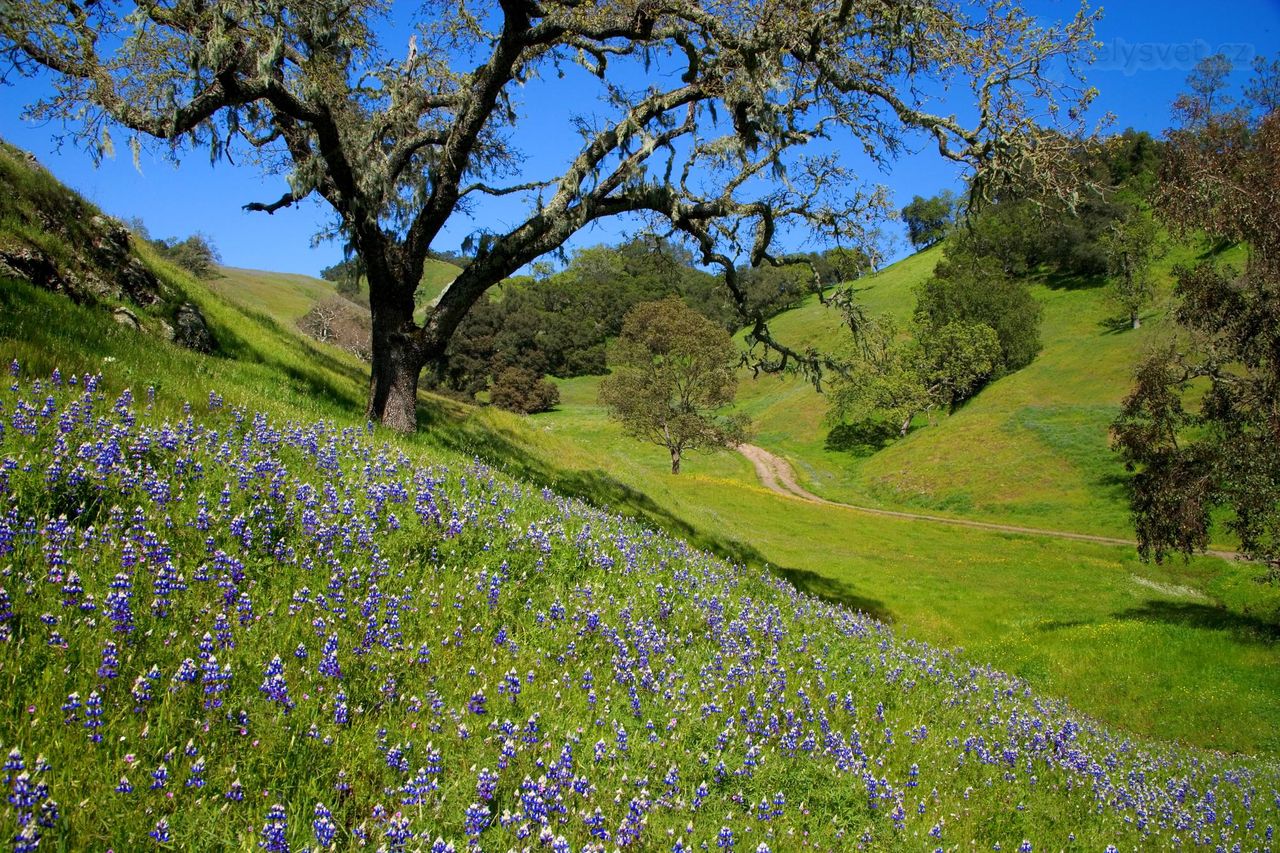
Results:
<point x="929" y="219"/>
<point x="558" y="323"/>
<point x="977" y="290"/>
<point x="517" y="389"/>
<point x="196" y="254"/>
<point x="672" y="369"/>
<point x="891" y="379"/>
<point x="770" y="289"/>
<point x="1131" y="244"/>
<point x="1028" y="231"/>
<point x="1201" y="429"/>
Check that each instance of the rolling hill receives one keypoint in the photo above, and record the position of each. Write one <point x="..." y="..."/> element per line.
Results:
<point x="1073" y="619"/>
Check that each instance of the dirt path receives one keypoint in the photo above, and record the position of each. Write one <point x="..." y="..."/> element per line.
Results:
<point x="776" y="473"/>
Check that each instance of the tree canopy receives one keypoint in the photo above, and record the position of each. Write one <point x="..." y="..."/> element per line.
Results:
<point x="672" y="369"/>
<point x="929" y="219"/>
<point x="401" y="140"/>
<point x="1201" y="428"/>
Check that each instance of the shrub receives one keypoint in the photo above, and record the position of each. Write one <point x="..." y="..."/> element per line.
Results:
<point x="518" y="389"/>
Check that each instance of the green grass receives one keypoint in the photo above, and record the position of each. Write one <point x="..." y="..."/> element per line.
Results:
<point x="1073" y="618"/>
<point x="1076" y="620"/>
<point x="285" y="297"/>
<point x="282" y="296"/>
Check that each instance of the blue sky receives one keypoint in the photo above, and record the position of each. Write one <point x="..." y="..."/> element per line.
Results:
<point x="1148" y="50"/>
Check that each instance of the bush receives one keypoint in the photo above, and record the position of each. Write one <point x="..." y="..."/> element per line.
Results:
<point x="518" y="389"/>
<point x="976" y="290"/>
<point x="196" y="254"/>
<point x="336" y="321"/>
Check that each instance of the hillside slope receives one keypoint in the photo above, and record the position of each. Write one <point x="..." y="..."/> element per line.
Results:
<point x="1074" y="620"/>
<point x="1031" y="449"/>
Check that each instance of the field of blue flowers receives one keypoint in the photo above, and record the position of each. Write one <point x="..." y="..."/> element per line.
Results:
<point x="219" y="632"/>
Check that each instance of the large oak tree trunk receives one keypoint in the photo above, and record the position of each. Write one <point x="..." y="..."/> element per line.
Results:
<point x="397" y="359"/>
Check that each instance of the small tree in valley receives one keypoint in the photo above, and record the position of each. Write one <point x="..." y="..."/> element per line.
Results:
<point x="672" y="369"/>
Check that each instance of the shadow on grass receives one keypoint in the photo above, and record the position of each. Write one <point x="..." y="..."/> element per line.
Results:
<point x="835" y="591"/>
<point x="1215" y="249"/>
<point x="1245" y="626"/>
<point x="861" y="439"/>
<point x="1116" y="325"/>
<point x="1057" y="280"/>
<point x="602" y="490"/>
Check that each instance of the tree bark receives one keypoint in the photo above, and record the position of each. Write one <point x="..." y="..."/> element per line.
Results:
<point x="1136" y="320"/>
<point x="675" y="460"/>
<point x="397" y="357"/>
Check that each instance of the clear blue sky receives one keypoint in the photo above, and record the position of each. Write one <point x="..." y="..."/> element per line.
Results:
<point x="1149" y="48"/>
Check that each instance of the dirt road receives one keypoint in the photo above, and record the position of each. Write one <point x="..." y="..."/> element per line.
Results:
<point x="775" y="473"/>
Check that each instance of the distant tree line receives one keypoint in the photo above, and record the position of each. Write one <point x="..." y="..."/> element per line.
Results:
<point x="558" y="323"/>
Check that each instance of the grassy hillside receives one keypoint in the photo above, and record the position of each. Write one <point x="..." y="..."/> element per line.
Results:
<point x="1031" y="449"/>
<point x="285" y="297"/>
<point x="301" y="633"/>
<point x="282" y="296"/>
<point x="1075" y="620"/>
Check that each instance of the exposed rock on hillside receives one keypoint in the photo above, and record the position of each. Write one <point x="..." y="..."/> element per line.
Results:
<point x="54" y="239"/>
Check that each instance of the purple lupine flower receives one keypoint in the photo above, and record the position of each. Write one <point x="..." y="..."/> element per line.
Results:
<point x="487" y="784"/>
<point x="274" y="686"/>
<point x="323" y="827"/>
<point x="71" y="708"/>
<point x="341" y="715"/>
<point x="329" y="658"/>
<point x="110" y="666"/>
<point x="159" y="777"/>
<point x="93" y="716"/>
<point x="398" y="833"/>
<point x="161" y="832"/>
<point x="274" y="830"/>
<point x="477" y="819"/>
<point x="195" y="776"/>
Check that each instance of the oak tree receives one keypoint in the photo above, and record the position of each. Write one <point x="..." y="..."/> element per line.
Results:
<point x="1201" y="428"/>
<point x="714" y="118"/>
<point x="672" y="370"/>
<point x="1131" y="245"/>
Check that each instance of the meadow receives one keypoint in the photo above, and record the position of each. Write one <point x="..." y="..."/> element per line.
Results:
<point x="235" y="616"/>
<point x="224" y="629"/>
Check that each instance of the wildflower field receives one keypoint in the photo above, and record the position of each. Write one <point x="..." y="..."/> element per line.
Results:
<point x="220" y="631"/>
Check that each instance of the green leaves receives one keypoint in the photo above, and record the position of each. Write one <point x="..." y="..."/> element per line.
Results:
<point x="672" y="370"/>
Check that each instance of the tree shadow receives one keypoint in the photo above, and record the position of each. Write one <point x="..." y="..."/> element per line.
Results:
<point x="1060" y="280"/>
<point x="1116" y="325"/>
<point x="861" y="439"/>
<point x="1062" y="625"/>
<point x="1246" y="627"/>
<point x="1216" y="248"/>
<point x="835" y="591"/>
<point x="602" y="490"/>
